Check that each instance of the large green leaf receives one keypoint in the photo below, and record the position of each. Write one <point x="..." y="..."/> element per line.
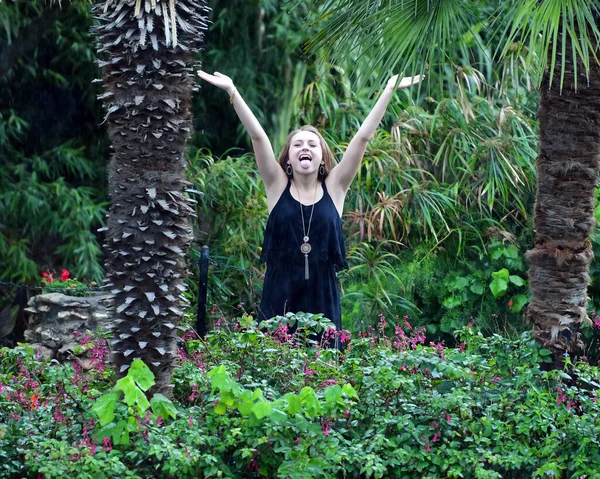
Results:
<point x="104" y="407"/>
<point x="141" y="374"/>
<point x="499" y="283"/>
<point x="163" y="406"/>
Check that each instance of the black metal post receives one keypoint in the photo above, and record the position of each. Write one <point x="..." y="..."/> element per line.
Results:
<point x="202" y="290"/>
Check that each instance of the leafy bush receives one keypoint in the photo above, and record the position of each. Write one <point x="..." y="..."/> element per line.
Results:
<point x="52" y="150"/>
<point x="254" y="404"/>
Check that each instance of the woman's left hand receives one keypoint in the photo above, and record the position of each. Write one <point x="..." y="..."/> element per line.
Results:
<point x="405" y="82"/>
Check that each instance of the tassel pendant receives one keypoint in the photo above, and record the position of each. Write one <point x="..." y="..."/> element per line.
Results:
<point x="306" y="275"/>
<point x="305" y="248"/>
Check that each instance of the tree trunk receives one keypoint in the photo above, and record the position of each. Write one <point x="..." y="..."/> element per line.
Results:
<point x="146" y="47"/>
<point x="567" y="172"/>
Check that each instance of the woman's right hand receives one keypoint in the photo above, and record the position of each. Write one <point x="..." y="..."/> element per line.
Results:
<point x="218" y="80"/>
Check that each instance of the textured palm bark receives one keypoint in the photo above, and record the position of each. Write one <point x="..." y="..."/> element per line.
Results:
<point x="567" y="173"/>
<point x="146" y="69"/>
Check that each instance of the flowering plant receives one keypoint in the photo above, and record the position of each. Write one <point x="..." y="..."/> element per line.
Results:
<point x="252" y="403"/>
<point x="63" y="283"/>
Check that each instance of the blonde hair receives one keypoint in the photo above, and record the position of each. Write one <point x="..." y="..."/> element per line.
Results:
<point x="328" y="160"/>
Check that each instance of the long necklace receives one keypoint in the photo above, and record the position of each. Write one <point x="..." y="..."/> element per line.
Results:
<point x="305" y="247"/>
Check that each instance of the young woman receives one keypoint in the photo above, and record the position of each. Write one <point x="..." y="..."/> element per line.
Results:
<point x="304" y="243"/>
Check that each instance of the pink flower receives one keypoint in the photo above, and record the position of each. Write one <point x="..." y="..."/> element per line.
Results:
<point x="214" y="308"/>
<point x="439" y="347"/>
<point x="560" y="396"/>
<point x="190" y="422"/>
<point x="64" y="275"/>
<point x="325" y="426"/>
<point x="47" y="277"/>
<point x="106" y="444"/>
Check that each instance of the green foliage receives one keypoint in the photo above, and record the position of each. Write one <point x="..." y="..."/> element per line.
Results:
<point x="51" y="181"/>
<point x="259" y="44"/>
<point x="64" y="284"/>
<point x="487" y="284"/>
<point x="443" y="37"/>
<point x="561" y="26"/>
<point x="232" y="218"/>
<point x="251" y="405"/>
<point x="130" y="392"/>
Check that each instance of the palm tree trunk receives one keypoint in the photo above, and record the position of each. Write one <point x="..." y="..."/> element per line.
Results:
<point x="567" y="171"/>
<point x="146" y="49"/>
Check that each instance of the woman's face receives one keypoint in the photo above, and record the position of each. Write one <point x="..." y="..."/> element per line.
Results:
<point x="305" y="154"/>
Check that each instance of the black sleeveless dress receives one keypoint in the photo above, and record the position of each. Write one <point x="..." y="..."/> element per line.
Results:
<point x="285" y="287"/>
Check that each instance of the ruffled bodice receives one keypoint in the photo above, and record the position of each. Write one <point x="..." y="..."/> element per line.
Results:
<point x="284" y="233"/>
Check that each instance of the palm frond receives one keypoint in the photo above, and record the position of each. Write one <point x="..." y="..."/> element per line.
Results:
<point x="548" y="28"/>
<point x="405" y="36"/>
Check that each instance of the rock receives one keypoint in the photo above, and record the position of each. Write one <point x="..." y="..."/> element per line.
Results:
<point x="43" y="351"/>
<point x="57" y="321"/>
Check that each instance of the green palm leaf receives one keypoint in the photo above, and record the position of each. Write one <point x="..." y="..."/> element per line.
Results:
<point x="408" y="36"/>
<point x="414" y="36"/>
<point x="549" y="28"/>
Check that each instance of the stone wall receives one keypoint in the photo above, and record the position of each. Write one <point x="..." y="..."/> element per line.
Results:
<point x="57" y="321"/>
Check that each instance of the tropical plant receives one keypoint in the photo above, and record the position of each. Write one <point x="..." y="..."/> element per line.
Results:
<point x="146" y="55"/>
<point x="560" y="39"/>
<point x="231" y="222"/>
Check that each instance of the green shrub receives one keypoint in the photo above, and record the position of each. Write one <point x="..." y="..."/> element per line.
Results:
<point x="253" y="404"/>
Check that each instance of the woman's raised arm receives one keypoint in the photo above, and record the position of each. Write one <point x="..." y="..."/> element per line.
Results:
<point x="270" y="171"/>
<point x="341" y="176"/>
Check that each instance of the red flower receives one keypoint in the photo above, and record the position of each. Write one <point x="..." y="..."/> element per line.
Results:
<point x="510" y="303"/>
<point x="47" y="277"/>
<point x="64" y="275"/>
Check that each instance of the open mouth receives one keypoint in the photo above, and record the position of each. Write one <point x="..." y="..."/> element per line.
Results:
<point x="305" y="160"/>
